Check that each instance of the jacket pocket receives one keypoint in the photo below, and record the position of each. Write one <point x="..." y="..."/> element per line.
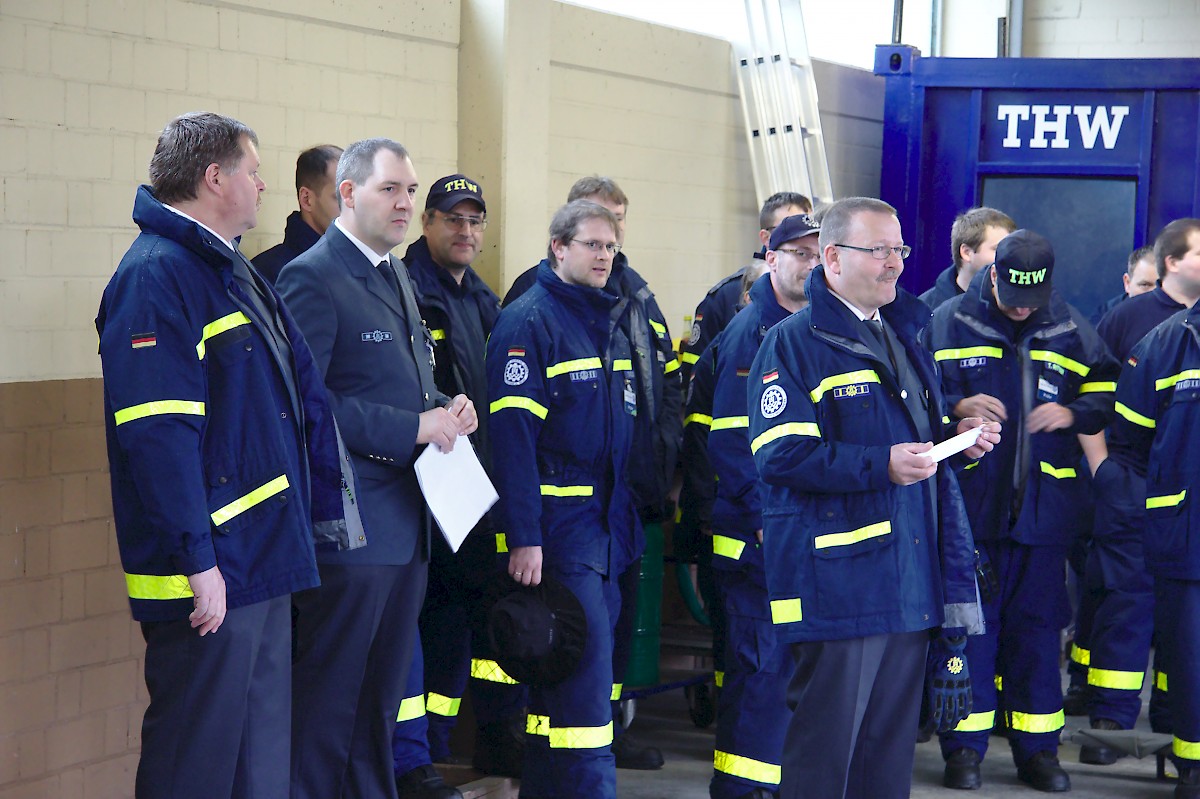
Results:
<point x="1168" y="522"/>
<point x="855" y="568"/>
<point x="235" y="502"/>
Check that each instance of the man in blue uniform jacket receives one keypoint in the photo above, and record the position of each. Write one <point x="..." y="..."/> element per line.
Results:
<point x="1012" y="350"/>
<point x="225" y="467"/>
<point x="866" y="545"/>
<point x="561" y="383"/>
<point x="316" y="193"/>
<point x="355" y="303"/>
<point x="752" y="712"/>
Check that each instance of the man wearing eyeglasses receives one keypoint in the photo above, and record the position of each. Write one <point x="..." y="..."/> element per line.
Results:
<point x="867" y="553"/>
<point x="459" y="309"/>
<point x="1012" y="350"/>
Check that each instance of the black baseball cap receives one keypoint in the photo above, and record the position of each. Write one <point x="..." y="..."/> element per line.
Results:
<point x="1024" y="266"/>
<point x="792" y="228"/>
<point x="447" y="192"/>
<point x="537" y="633"/>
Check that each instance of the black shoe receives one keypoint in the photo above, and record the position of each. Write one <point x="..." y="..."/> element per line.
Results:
<point x="1043" y="773"/>
<point x="424" y="782"/>
<point x="1098" y="754"/>
<point x="962" y="770"/>
<point x="759" y="793"/>
<point x="1075" y="702"/>
<point x="499" y="749"/>
<point x="1189" y="784"/>
<point x="632" y="755"/>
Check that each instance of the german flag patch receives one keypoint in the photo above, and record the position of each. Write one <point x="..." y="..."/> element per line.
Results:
<point x="770" y="376"/>
<point x="139" y="340"/>
<point x="743" y="372"/>
<point x="516" y="352"/>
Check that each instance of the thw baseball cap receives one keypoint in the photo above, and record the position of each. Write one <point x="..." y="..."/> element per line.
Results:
<point x="1024" y="266"/>
<point x="447" y="192"/>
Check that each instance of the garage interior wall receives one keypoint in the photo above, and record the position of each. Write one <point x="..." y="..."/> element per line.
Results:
<point x="526" y="96"/>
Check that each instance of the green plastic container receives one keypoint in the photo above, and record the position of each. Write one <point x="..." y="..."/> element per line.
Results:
<point x="647" y="623"/>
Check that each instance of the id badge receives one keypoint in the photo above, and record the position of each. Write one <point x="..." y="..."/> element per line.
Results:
<point x="630" y="399"/>
<point x="1047" y="391"/>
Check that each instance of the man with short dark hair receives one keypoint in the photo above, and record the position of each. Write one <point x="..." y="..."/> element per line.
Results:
<point x="1012" y="350"/>
<point x="561" y="383"/>
<point x="869" y="561"/>
<point x="973" y="240"/>
<point x="316" y="193"/>
<point x="225" y="468"/>
<point x="356" y="306"/>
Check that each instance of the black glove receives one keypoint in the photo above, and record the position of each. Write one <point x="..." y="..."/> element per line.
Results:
<point x="947" y="684"/>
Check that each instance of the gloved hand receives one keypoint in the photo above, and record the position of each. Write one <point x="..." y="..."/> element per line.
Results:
<point x="947" y="683"/>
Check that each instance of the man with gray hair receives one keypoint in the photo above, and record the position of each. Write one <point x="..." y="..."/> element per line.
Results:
<point x="355" y="632"/>
<point x="225" y="468"/>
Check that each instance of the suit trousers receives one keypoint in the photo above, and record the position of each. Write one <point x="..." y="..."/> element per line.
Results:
<point x="356" y="634"/>
<point x="854" y="704"/>
<point x="220" y="707"/>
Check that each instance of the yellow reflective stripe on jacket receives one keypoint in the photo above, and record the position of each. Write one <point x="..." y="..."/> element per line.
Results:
<point x="567" y="491"/>
<point x="1169" y="382"/>
<point x="1165" y="502"/>
<point x="622" y="365"/>
<point x="1036" y="722"/>
<point x="1160" y="681"/>
<point x="844" y="379"/>
<point x="158" y="408"/>
<point x="501" y="543"/>
<point x="746" y="768"/>
<point x="729" y="422"/>
<point x="977" y="722"/>
<point x="227" y="322"/>
<point x="1058" y="474"/>
<point x="1080" y="655"/>
<point x="537" y="725"/>
<point x="438" y="335"/>
<point x="1120" y="680"/>
<point x="719" y="678"/>
<point x="998" y="681"/>
<point x="659" y="328"/>
<point x="1097" y="386"/>
<point x="970" y="466"/>
<point x="1070" y="364"/>
<point x="690" y="357"/>
<point x="248" y="501"/>
<point x="615" y="695"/>
<point x="786" y="429"/>
<point x="577" y="365"/>
<point x="442" y="705"/>
<point x="522" y="403"/>
<point x="411" y="708"/>
<point x="490" y="671"/>
<point x="1130" y="414"/>
<point x="728" y="547"/>
<point x="1188" y="750"/>
<point x="671" y="366"/>
<point x="581" y="737"/>
<point x="158" y="586"/>
<point x="853" y="536"/>
<point x="955" y="354"/>
<point x="785" y="611"/>
<point x="698" y="418"/>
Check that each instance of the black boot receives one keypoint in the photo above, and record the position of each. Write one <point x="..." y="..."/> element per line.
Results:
<point x="424" y="782"/>
<point x="1189" y="784"/>
<point x="1075" y="701"/>
<point x="499" y="749"/>
<point x="1098" y="754"/>
<point x="632" y="755"/>
<point x="1043" y="773"/>
<point x="962" y="770"/>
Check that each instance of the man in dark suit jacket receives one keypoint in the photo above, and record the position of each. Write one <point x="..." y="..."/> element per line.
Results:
<point x="355" y="305"/>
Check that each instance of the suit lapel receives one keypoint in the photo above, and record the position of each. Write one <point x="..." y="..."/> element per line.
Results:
<point x="364" y="270"/>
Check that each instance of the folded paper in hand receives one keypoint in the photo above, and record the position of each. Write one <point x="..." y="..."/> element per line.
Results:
<point x="456" y="488"/>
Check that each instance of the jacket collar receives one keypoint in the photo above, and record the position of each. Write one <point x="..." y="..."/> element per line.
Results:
<point x="298" y="234"/>
<point x="593" y="302"/>
<point x="979" y="305"/>
<point x="428" y="278"/>
<point x="361" y="267"/>
<point x="906" y="314"/>
<point x="762" y="298"/>
<point x="155" y="218"/>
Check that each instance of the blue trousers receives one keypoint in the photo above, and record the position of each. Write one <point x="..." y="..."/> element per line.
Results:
<point x="1124" y="618"/>
<point x="1019" y="652"/>
<point x="752" y="713"/>
<point x="570" y="728"/>
<point x="1178" y="618"/>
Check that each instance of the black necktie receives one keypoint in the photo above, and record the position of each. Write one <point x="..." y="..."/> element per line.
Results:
<point x="876" y="328"/>
<point x="389" y="274"/>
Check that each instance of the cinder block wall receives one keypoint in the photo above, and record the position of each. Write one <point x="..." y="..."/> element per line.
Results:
<point x="1111" y="29"/>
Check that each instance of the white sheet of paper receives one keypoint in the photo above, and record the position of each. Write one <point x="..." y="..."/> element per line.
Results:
<point x="456" y="488"/>
<point x="955" y="445"/>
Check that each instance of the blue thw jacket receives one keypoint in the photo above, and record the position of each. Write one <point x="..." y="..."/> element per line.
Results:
<point x="737" y="509"/>
<point x="216" y="458"/>
<point x="848" y="552"/>
<point x="1028" y="487"/>
<point x="1154" y="432"/>
<point x="561" y="383"/>
<point x="699" y="487"/>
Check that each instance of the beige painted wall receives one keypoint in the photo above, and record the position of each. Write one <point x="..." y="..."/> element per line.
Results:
<point x="1111" y="29"/>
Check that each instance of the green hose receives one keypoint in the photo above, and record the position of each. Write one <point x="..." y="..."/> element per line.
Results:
<point x="687" y="589"/>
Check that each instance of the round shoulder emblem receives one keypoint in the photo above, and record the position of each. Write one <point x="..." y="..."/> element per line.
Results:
<point x="515" y="372"/>
<point x="773" y="401"/>
<point x="695" y="336"/>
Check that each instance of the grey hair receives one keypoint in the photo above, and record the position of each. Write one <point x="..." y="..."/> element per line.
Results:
<point x="838" y="217"/>
<point x="188" y="145"/>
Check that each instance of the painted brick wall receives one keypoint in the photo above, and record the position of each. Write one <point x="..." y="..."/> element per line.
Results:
<point x="1111" y="29"/>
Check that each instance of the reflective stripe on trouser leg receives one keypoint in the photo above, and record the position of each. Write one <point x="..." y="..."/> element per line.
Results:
<point x="752" y="711"/>
<point x="410" y="748"/>
<point x="1180" y="613"/>
<point x="574" y="758"/>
